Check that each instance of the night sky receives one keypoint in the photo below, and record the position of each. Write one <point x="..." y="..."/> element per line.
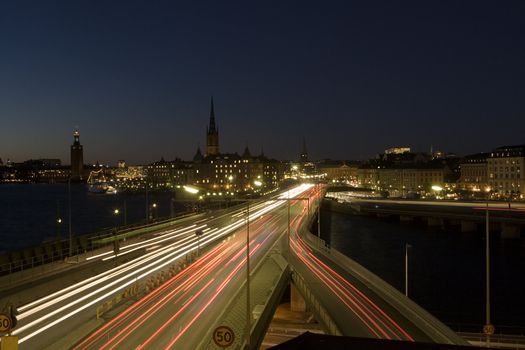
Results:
<point x="352" y="77"/>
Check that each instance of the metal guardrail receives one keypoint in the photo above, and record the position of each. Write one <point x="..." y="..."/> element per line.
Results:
<point x="321" y="314"/>
<point x="55" y="251"/>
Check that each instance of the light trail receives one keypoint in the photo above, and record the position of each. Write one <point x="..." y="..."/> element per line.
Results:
<point x="370" y="314"/>
<point x="56" y="308"/>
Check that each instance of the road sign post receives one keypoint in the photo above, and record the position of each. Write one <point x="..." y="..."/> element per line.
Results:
<point x="223" y="336"/>
<point x="5" y="323"/>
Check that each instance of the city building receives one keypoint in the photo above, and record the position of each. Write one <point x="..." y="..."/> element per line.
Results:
<point x="505" y="172"/>
<point x="230" y="173"/>
<point x="336" y="171"/>
<point x="473" y="169"/>
<point x="77" y="158"/>
<point x="397" y="150"/>
<point x="401" y="179"/>
<point x="168" y="174"/>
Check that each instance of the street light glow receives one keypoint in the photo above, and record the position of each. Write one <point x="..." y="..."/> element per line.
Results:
<point x="437" y="188"/>
<point x="116" y="211"/>
<point x="191" y="189"/>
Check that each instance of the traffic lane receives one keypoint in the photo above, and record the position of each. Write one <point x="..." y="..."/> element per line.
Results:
<point x="264" y="225"/>
<point x="205" y="315"/>
<point x="336" y="305"/>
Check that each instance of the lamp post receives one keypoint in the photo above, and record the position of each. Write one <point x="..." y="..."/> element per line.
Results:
<point x="320" y="200"/>
<point x="191" y="190"/>
<point x="407" y="247"/>
<point x="116" y="212"/>
<point x="147" y="203"/>
<point x="199" y="233"/>
<point x="154" y="206"/>
<point x="58" y="221"/>
<point x="248" y="309"/>
<point x="488" y="329"/>
<point x="69" y="204"/>
<point x="116" y="247"/>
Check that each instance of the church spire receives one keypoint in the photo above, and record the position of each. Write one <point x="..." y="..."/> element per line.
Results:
<point x="212" y="127"/>
<point x="212" y="134"/>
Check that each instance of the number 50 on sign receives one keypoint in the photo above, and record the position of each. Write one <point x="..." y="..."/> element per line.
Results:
<point x="223" y="336"/>
<point x="5" y="323"/>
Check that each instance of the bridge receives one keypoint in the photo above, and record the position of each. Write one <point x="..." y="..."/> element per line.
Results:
<point x="505" y="217"/>
<point x="172" y="287"/>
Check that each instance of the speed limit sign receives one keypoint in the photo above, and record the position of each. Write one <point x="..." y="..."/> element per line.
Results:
<point x="5" y="323"/>
<point x="223" y="336"/>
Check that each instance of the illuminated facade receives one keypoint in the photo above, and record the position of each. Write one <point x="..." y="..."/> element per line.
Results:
<point x="338" y="171"/>
<point x="397" y="150"/>
<point x="234" y="173"/>
<point x="163" y="174"/>
<point x="505" y="171"/>
<point x="401" y="179"/>
<point x="474" y="173"/>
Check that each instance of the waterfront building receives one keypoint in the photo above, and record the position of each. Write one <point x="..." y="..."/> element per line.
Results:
<point x="473" y="169"/>
<point x="400" y="179"/>
<point x="505" y="172"/>
<point x="167" y="174"/>
<point x="77" y="158"/>
<point x="339" y="171"/>
<point x="231" y="172"/>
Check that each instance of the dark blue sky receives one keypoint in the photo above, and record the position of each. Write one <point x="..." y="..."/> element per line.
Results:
<point x="352" y="77"/>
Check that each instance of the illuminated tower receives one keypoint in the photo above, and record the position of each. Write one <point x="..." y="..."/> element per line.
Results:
<point x="77" y="158"/>
<point x="212" y="135"/>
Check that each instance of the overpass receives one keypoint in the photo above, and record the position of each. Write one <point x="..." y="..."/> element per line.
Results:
<point x="177" y="284"/>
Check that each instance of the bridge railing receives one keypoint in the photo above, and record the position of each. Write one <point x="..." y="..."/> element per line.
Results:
<point x="321" y="314"/>
<point x="21" y="265"/>
<point x="434" y="328"/>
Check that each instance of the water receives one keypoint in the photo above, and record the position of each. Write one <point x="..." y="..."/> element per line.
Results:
<point x="446" y="268"/>
<point x="28" y="213"/>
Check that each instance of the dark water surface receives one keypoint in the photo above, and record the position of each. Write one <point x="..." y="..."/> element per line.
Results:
<point x="446" y="267"/>
<point x="28" y="212"/>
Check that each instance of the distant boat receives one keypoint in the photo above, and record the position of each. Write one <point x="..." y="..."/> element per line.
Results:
<point x="97" y="183"/>
<point x="98" y="187"/>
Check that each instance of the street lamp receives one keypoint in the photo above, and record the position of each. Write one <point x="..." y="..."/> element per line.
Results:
<point x="116" y="247"/>
<point x="437" y="189"/>
<point x="488" y="329"/>
<point x="199" y="233"/>
<point x="248" y="307"/>
<point x="116" y="212"/>
<point x="407" y="247"/>
<point x="154" y="205"/>
<point x="69" y="204"/>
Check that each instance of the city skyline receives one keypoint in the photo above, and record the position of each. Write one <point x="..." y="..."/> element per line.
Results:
<point x="351" y="79"/>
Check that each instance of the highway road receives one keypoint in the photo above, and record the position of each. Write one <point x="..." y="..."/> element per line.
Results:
<point x="355" y="308"/>
<point x="48" y="320"/>
<point x="189" y="301"/>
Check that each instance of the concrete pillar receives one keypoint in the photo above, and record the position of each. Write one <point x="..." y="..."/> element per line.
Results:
<point x="406" y="218"/>
<point x="297" y="302"/>
<point x="509" y="231"/>
<point x="468" y="226"/>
